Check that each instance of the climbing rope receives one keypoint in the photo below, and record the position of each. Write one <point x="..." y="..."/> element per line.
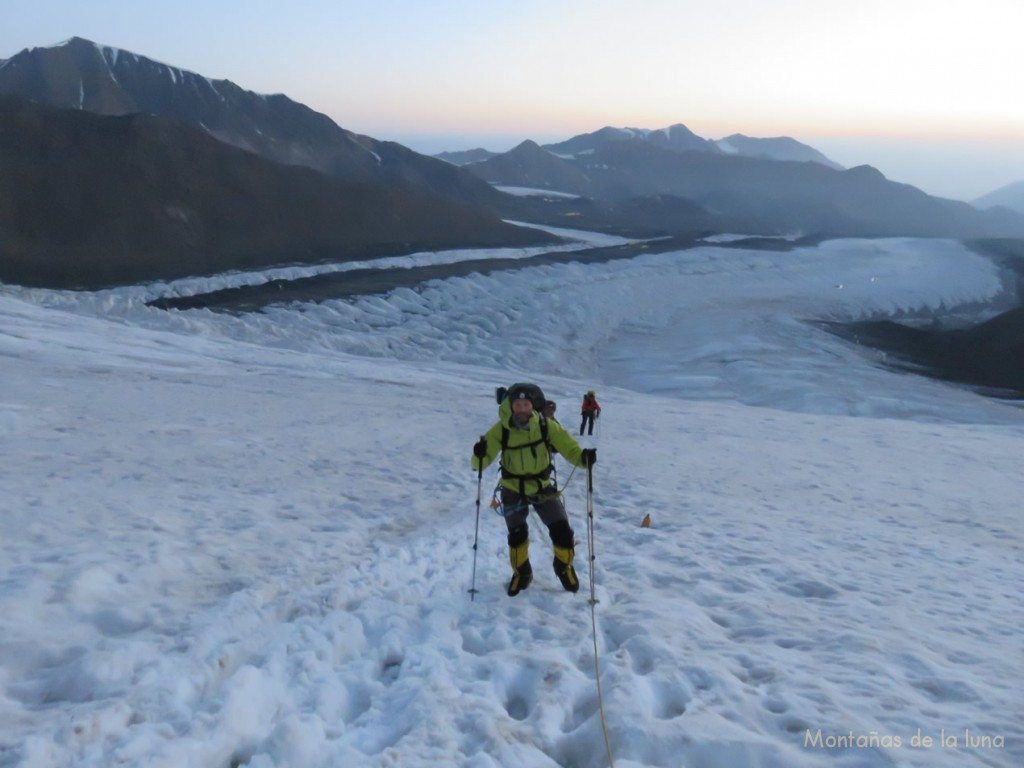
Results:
<point x="593" y="610"/>
<point x="498" y="507"/>
<point x="524" y="503"/>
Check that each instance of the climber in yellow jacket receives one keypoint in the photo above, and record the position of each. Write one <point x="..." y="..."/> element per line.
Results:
<point x="523" y="438"/>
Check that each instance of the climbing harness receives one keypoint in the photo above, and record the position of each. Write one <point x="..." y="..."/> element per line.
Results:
<point x="524" y="501"/>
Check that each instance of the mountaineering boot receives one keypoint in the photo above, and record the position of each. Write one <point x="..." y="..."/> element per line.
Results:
<point x="519" y="556"/>
<point x="564" y="570"/>
<point x="522" y="571"/>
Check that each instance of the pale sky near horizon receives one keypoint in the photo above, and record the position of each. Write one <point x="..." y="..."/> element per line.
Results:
<point x="927" y="91"/>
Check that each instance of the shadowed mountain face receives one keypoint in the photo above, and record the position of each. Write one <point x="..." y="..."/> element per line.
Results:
<point x="88" y="201"/>
<point x="83" y="75"/>
<point x="989" y="355"/>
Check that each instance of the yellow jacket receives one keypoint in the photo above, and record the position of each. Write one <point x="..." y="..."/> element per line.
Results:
<point x="526" y="460"/>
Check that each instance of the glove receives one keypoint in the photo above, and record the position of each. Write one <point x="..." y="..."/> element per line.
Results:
<point x="589" y="457"/>
<point x="480" y="449"/>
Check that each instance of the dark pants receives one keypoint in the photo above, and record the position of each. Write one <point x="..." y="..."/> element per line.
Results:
<point x="588" y="418"/>
<point x="551" y="511"/>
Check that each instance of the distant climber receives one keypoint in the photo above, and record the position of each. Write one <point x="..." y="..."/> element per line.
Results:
<point x="590" y="410"/>
<point x="550" y="406"/>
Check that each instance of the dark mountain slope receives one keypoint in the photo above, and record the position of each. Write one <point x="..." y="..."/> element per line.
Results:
<point x="528" y="165"/>
<point x="989" y="355"/>
<point x="89" y="200"/>
<point x="80" y="74"/>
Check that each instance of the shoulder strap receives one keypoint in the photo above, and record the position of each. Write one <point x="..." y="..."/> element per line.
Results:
<point x="543" y="433"/>
<point x="545" y="439"/>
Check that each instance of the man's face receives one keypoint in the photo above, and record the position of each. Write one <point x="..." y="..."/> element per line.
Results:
<point x="522" y="409"/>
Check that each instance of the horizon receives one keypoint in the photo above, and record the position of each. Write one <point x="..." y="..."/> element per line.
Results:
<point x="876" y="87"/>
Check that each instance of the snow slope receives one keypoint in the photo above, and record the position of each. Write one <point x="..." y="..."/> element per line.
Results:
<point x="248" y="540"/>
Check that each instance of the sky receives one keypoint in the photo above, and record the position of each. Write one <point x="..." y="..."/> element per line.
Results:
<point x="250" y="539"/>
<point x="928" y="91"/>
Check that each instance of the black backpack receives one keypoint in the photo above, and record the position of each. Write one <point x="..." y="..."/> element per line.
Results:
<point x="531" y="391"/>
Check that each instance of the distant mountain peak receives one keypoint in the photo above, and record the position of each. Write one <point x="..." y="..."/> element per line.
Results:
<point x="677" y="137"/>
<point x="529" y="145"/>
<point x="464" y="157"/>
<point x="80" y="42"/>
<point x="1009" y="196"/>
<point x="866" y="172"/>
<point x="782" y="148"/>
<point x="108" y="53"/>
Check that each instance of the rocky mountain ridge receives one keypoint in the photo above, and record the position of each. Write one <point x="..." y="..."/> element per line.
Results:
<point x="756" y="195"/>
<point x="636" y="182"/>
<point x="81" y="74"/>
<point x="92" y="201"/>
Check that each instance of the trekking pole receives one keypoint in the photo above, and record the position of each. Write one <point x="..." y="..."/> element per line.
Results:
<point x="476" y="534"/>
<point x="590" y="528"/>
<point x="593" y="615"/>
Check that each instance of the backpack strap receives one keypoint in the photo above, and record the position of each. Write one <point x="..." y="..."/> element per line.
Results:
<point x="542" y="475"/>
<point x="543" y="435"/>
